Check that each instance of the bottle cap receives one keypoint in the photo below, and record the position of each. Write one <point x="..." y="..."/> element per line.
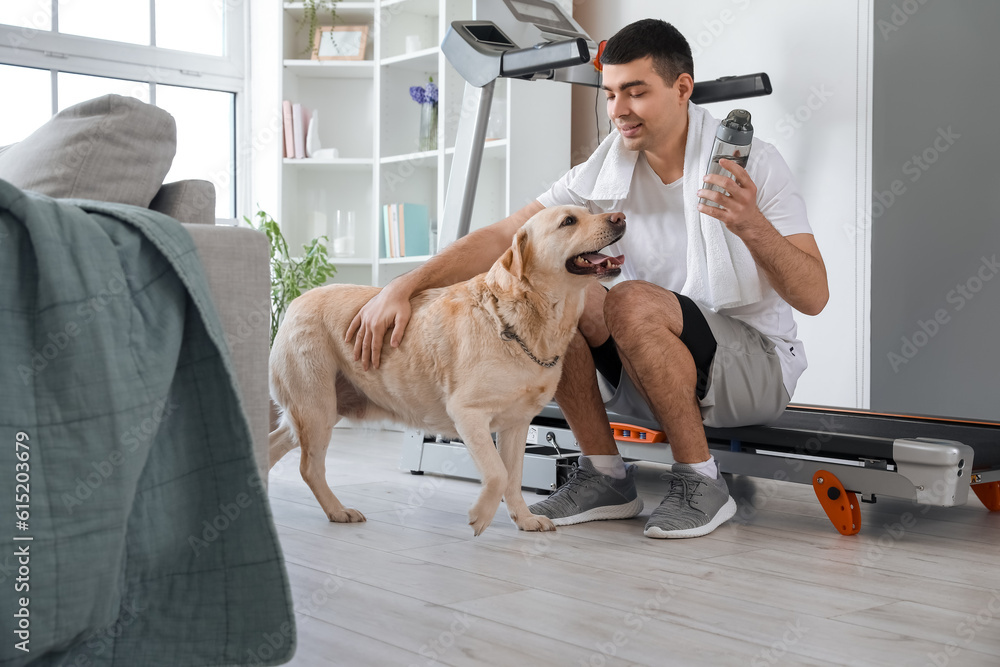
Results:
<point x="736" y="128"/>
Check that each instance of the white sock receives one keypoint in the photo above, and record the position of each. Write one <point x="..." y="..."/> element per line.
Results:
<point x="608" y="464"/>
<point x="707" y="468"/>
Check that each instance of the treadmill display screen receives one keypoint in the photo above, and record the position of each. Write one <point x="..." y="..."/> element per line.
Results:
<point x="540" y="12"/>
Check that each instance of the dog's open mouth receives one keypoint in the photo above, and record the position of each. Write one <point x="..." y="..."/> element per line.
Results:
<point x="595" y="263"/>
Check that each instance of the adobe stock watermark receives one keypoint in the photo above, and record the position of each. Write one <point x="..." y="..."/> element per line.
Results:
<point x="539" y="544"/>
<point x="958" y="297"/>
<point x="445" y="641"/>
<point x="256" y="319"/>
<point x="635" y="620"/>
<point x="773" y="653"/>
<point x="913" y="168"/>
<point x="715" y="28"/>
<point x="894" y="532"/>
<point x="766" y="489"/>
<point x="966" y="630"/>
<point x="269" y="132"/>
<point x="103" y="640"/>
<point x="272" y="642"/>
<point x="794" y="120"/>
<point x="402" y="171"/>
<point x="428" y="487"/>
<point x="57" y="341"/>
<point x="891" y="533"/>
<point x="898" y="17"/>
<point x="229" y="513"/>
<point x="130" y="441"/>
<point x="38" y="19"/>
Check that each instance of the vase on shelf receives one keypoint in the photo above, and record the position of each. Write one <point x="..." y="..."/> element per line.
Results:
<point x="428" y="127"/>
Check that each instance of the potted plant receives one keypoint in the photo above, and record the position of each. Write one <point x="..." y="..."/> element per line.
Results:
<point x="311" y="18"/>
<point x="290" y="276"/>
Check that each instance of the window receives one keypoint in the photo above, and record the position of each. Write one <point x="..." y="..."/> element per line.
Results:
<point x="116" y="20"/>
<point x="206" y="117"/>
<point x="34" y="103"/>
<point x="75" y="88"/>
<point x="26" y="14"/>
<point x="185" y="56"/>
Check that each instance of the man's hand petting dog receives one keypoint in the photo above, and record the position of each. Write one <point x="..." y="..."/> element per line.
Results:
<point x="389" y="309"/>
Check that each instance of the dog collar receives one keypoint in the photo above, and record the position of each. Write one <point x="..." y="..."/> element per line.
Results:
<point x="508" y="335"/>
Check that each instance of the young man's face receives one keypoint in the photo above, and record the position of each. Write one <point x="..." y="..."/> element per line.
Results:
<point x="641" y="105"/>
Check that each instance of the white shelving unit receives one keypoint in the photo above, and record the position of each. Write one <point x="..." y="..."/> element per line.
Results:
<point x="365" y="111"/>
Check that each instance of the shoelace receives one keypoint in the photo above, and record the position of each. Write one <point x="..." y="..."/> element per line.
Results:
<point x="575" y="470"/>
<point x="680" y="484"/>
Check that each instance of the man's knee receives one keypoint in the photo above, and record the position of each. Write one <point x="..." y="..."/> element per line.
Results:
<point x="631" y="307"/>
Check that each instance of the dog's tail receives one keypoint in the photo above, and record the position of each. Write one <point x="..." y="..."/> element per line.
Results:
<point x="284" y="438"/>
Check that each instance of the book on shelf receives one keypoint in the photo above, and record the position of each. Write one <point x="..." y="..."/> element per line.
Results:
<point x="286" y="123"/>
<point x="300" y="121"/>
<point x="299" y="130"/>
<point x="406" y="230"/>
<point x="389" y="249"/>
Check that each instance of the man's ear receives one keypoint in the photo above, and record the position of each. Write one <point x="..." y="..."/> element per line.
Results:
<point x="685" y="86"/>
<point x="515" y="259"/>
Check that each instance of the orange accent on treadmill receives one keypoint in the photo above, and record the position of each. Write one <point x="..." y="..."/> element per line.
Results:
<point x="840" y="505"/>
<point x="600" y="52"/>
<point x="869" y="413"/>
<point x="989" y="495"/>
<point x="630" y="433"/>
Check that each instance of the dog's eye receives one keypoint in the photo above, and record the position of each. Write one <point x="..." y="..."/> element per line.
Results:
<point x="567" y="221"/>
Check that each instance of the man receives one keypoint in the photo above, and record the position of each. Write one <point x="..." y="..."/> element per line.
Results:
<point x="724" y="354"/>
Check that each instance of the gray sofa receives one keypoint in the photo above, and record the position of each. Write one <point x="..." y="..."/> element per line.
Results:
<point x="118" y="149"/>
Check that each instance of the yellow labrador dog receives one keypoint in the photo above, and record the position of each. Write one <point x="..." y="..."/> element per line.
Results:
<point x="478" y="357"/>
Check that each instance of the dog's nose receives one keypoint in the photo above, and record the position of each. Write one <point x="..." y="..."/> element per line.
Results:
<point x="617" y="218"/>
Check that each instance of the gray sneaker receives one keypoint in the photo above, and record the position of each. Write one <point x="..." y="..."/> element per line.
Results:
<point x="694" y="506"/>
<point x="589" y="495"/>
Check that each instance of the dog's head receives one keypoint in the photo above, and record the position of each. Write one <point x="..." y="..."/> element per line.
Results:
<point x="564" y="242"/>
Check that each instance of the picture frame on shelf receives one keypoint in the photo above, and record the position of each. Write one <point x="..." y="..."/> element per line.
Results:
<point x="342" y="42"/>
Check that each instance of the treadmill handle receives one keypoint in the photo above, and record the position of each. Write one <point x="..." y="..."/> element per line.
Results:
<point x="544" y="57"/>
<point x="731" y="88"/>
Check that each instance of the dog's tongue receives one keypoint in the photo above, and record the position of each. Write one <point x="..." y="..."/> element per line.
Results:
<point x="598" y="258"/>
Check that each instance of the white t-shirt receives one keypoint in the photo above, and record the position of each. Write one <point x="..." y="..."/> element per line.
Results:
<point x="655" y="244"/>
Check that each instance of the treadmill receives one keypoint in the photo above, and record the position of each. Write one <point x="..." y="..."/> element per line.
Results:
<point x="841" y="453"/>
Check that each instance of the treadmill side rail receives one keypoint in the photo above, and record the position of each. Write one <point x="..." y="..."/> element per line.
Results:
<point x="938" y="469"/>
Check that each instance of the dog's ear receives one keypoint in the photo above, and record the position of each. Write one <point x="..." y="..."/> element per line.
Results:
<point x="515" y="259"/>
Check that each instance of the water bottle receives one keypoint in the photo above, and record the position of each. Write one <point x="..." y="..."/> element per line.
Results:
<point x="732" y="142"/>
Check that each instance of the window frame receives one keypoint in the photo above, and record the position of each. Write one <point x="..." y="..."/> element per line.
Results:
<point x="57" y="52"/>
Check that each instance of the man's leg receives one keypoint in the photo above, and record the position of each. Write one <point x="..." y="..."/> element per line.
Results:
<point x="599" y="491"/>
<point x="647" y="323"/>
<point x="578" y="394"/>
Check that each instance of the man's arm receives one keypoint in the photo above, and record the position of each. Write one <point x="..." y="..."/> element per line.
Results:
<point x="467" y="257"/>
<point x="793" y="264"/>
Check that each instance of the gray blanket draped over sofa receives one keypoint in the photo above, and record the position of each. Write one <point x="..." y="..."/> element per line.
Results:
<point x="147" y="538"/>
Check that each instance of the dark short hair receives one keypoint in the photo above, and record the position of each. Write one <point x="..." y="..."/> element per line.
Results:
<point x="671" y="53"/>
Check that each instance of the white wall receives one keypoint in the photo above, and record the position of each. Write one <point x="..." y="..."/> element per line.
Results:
<point x="262" y="144"/>
<point x="817" y="56"/>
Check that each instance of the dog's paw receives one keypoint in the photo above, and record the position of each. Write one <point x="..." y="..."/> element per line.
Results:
<point x="479" y="522"/>
<point x="346" y="515"/>
<point x="535" y="522"/>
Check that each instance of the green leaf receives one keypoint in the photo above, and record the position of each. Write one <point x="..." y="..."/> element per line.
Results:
<point x="291" y="277"/>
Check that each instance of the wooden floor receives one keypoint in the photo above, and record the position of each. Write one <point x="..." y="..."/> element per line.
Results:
<point x="775" y="586"/>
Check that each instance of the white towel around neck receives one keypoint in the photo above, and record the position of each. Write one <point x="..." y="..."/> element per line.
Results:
<point x="721" y="273"/>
